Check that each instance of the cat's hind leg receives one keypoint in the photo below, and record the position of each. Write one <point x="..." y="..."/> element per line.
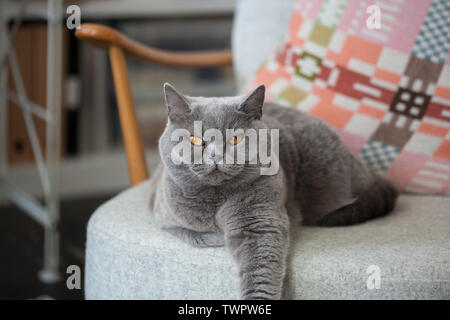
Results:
<point x="377" y="200"/>
<point x="197" y="239"/>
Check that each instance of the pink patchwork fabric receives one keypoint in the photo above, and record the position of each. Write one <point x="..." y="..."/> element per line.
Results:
<point x="386" y="92"/>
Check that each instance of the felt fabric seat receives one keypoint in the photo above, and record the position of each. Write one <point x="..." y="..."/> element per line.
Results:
<point x="129" y="258"/>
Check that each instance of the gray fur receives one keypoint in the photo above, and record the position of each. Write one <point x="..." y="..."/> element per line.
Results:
<point x="319" y="180"/>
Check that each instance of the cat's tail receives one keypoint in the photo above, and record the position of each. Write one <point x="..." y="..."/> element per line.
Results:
<point x="377" y="200"/>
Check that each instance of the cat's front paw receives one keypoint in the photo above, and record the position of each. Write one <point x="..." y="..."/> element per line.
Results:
<point x="260" y="294"/>
<point x="209" y="239"/>
<point x="198" y="239"/>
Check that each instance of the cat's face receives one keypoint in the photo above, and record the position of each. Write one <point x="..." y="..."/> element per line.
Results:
<point x="214" y="133"/>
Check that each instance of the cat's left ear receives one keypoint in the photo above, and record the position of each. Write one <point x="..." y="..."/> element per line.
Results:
<point x="253" y="103"/>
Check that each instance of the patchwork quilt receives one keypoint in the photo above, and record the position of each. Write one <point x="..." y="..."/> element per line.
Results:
<point x="384" y="89"/>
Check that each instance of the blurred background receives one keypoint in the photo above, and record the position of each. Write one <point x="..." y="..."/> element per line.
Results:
<point x="93" y="166"/>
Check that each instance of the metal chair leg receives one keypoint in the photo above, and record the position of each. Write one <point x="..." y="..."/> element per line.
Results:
<point x="50" y="272"/>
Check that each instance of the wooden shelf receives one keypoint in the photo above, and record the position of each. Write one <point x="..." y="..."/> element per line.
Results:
<point x="89" y="175"/>
<point x="105" y="171"/>
<point x="124" y="9"/>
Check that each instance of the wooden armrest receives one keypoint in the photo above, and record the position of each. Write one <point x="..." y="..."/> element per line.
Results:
<point x="104" y="37"/>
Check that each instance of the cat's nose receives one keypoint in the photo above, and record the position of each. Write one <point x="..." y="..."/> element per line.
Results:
<point x="216" y="158"/>
<point x="214" y="153"/>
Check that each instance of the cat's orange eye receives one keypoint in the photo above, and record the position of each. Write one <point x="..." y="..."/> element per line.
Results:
<point x="235" y="140"/>
<point x="196" y="141"/>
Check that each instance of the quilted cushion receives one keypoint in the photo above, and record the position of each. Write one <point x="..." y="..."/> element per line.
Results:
<point x="128" y="257"/>
<point x="386" y="92"/>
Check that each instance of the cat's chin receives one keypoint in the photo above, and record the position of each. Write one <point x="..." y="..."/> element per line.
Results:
<point x="216" y="178"/>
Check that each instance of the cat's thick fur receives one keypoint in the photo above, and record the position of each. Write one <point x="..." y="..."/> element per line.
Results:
<point x="234" y="205"/>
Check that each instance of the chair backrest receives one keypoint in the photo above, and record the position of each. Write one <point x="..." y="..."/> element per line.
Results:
<point x="258" y="28"/>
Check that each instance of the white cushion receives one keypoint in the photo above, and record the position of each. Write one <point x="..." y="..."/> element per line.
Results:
<point x="258" y="28"/>
<point x="129" y="258"/>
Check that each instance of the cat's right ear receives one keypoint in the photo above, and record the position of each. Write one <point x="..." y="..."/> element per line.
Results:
<point x="177" y="106"/>
<point x="253" y="102"/>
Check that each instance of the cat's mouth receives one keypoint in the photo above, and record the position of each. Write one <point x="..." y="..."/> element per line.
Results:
<point x="216" y="176"/>
<point x="218" y="172"/>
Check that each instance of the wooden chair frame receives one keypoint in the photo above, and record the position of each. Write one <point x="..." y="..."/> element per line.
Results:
<point x="117" y="45"/>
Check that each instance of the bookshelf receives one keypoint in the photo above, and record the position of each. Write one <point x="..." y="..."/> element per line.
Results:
<point x="76" y="94"/>
<point x="97" y="129"/>
<point x="27" y="54"/>
<point x="101" y="10"/>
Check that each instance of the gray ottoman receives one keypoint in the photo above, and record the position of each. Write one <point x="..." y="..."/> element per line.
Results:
<point x="403" y="256"/>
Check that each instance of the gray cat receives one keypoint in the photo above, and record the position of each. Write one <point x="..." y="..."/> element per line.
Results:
<point x="218" y="203"/>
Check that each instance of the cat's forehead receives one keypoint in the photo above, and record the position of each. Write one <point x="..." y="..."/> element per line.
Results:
<point x="214" y="112"/>
<point x="210" y="102"/>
